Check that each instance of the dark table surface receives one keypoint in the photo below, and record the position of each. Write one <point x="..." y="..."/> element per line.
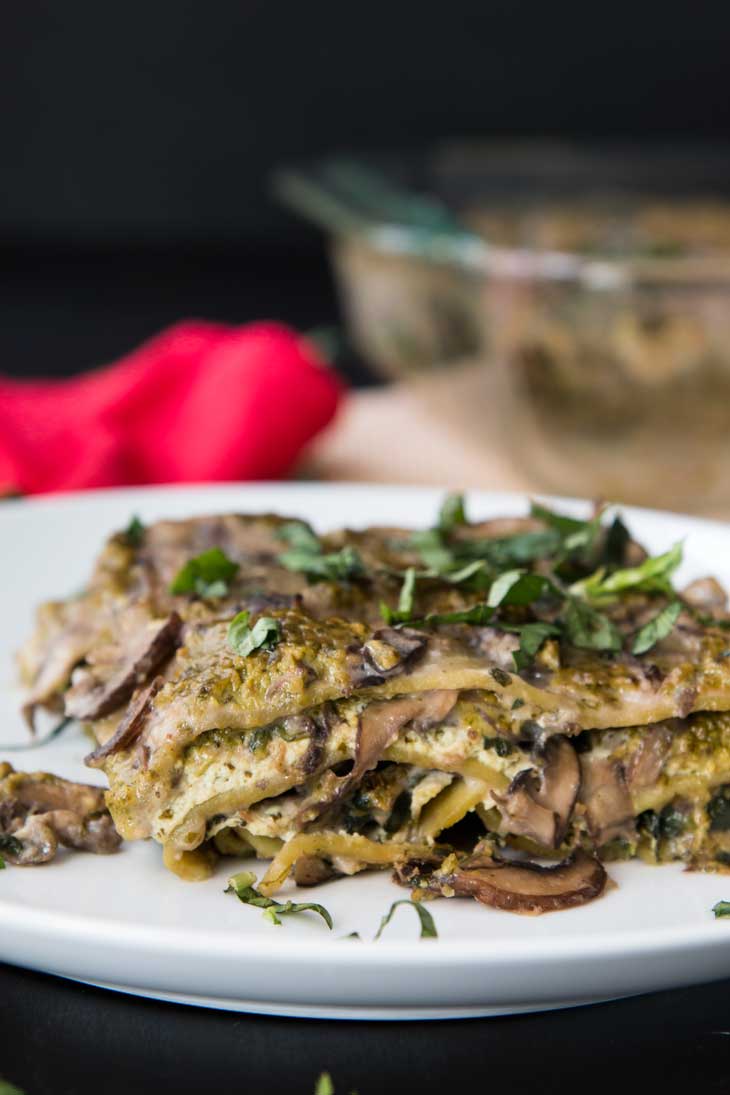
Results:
<point x="61" y="1038"/>
<point x="61" y="312"/>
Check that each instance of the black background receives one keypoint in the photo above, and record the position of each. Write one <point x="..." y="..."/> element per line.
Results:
<point x="137" y="139"/>
<point x="136" y="144"/>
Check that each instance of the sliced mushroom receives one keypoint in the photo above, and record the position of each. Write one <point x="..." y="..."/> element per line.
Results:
<point x="647" y="763"/>
<point x="390" y="652"/>
<point x="522" y="815"/>
<point x="528" y="888"/>
<point x="309" y="870"/>
<point x="319" y="732"/>
<point x="380" y="724"/>
<point x="606" y="796"/>
<point x="707" y="595"/>
<point x="90" y="698"/>
<point x="38" y="811"/>
<point x="539" y="806"/>
<point x="129" y="728"/>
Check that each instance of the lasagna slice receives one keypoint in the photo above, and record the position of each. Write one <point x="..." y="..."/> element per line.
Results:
<point x="490" y="709"/>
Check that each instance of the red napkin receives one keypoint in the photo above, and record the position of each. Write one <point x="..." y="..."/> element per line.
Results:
<point x="199" y="402"/>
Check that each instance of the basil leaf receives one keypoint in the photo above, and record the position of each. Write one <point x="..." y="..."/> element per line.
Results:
<point x="436" y="556"/>
<point x="337" y="566"/>
<point x="452" y="512"/>
<point x="523" y="547"/>
<point x="515" y="587"/>
<point x="428" y="927"/>
<point x="532" y="636"/>
<point x="2" y="863"/>
<point x="242" y="885"/>
<point x="721" y="908"/>
<point x="463" y="574"/>
<point x="590" y="630"/>
<point x="656" y="629"/>
<point x="617" y="541"/>
<point x="208" y="575"/>
<point x="134" y="532"/>
<point x="566" y="526"/>
<point x="477" y="614"/>
<point x="404" y="611"/>
<point x="300" y="536"/>
<point x="243" y="640"/>
<point x="651" y="576"/>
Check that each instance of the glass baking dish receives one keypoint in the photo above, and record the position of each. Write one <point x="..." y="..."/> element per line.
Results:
<point x="593" y="283"/>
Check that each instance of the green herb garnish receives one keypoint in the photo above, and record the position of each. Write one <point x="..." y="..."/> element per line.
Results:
<point x="651" y="576"/>
<point x="134" y="532"/>
<point x="501" y="746"/>
<point x="207" y="575"/>
<point x="721" y="908"/>
<point x="2" y="863"/>
<point x="299" y="536"/>
<point x="656" y="629"/>
<point x="336" y="566"/>
<point x="589" y="629"/>
<point x="10" y="844"/>
<point x="243" y="640"/>
<point x="324" y="1085"/>
<point x="428" y="926"/>
<point x="532" y="636"/>
<point x="516" y="587"/>
<point x="452" y="513"/>
<point x="242" y="885"/>
<point x="404" y="611"/>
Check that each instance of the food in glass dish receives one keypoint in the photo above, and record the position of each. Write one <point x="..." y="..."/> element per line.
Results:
<point x="489" y="709"/>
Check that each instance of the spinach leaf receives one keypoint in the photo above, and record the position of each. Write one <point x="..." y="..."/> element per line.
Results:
<point x="589" y="629"/>
<point x="656" y="629"/>
<point x="428" y="926"/>
<point x="207" y="575"/>
<point x="243" y="640"/>
<point x="452" y="512"/>
<point x="242" y="885"/>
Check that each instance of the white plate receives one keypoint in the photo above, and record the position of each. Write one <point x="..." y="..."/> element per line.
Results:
<point x="126" y="923"/>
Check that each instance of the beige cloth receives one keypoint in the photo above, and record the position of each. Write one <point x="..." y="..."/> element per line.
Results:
<point x="439" y="429"/>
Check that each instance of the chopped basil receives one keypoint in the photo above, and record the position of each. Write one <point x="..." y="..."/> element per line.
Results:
<point x="656" y="629"/>
<point x="134" y="532"/>
<point x="477" y="614"/>
<point x="566" y="526"/>
<point x="589" y="629"/>
<point x="651" y="576"/>
<point x="616" y="543"/>
<point x="721" y="908"/>
<point x="428" y="927"/>
<point x="515" y="587"/>
<point x="2" y="863"/>
<point x="351" y="935"/>
<point x="243" y="640"/>
<point x="452" y="512"/>
<point x="517" y="704"/>
<point x="435" y="555"/>
<point x="532" y="636"/>
<point x="510" y="551"/>
<point x="242" y="885"/>
<point x="405" y="601"/>
<point x="259" y="739"/>
<point x="207" y="575"/>
<point x="336" y="566"/>
<point x="299" y="536"/>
